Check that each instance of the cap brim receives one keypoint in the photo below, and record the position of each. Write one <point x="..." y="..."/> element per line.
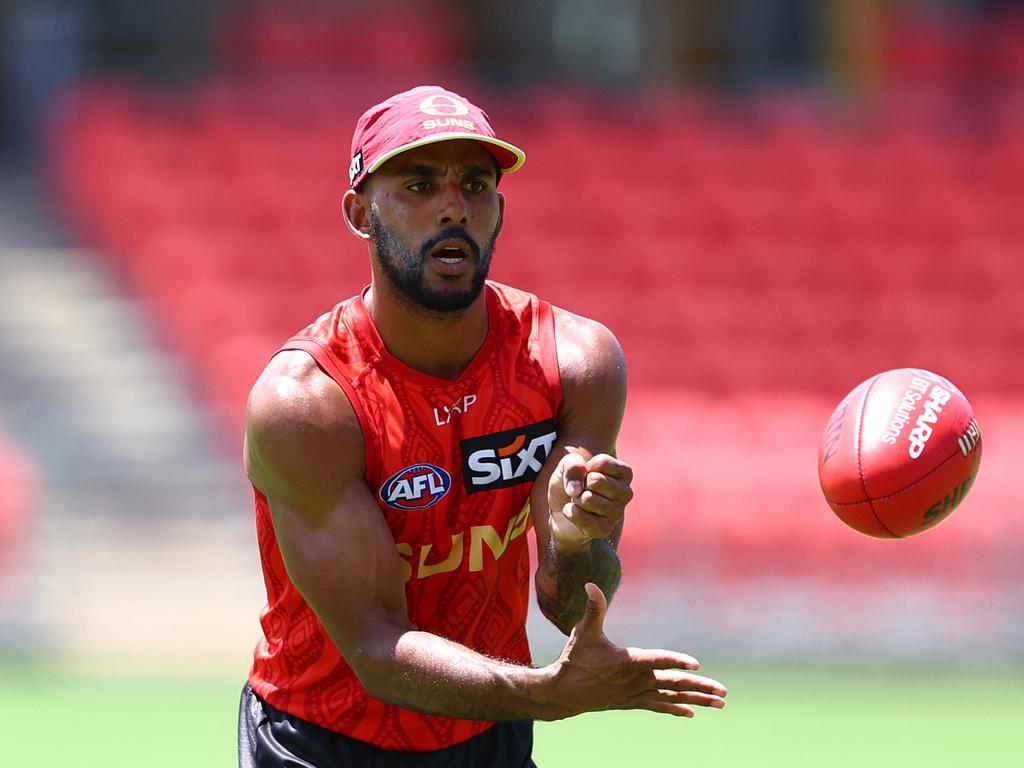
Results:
<point x="510" y="157"/>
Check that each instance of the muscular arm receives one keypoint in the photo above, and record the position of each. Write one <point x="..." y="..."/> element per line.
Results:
<point x="578" y="531"/>
<point x="304" y="451"/>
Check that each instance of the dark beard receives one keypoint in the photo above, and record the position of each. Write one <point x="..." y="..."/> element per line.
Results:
<point x="404" y="267"/>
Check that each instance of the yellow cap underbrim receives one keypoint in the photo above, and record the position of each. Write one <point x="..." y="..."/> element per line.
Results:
<point x="518" y="157"/>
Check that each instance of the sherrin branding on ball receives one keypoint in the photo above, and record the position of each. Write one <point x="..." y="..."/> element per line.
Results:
<point x="899" y="454"/>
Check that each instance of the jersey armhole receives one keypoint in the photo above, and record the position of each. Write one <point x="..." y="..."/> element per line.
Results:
<point x="316" y="349"/>
<point x="544" y="334"/>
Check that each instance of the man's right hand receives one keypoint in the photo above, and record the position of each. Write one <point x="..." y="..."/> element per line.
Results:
<point x="593" y="674"/>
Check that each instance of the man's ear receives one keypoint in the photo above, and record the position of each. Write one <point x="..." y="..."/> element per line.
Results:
<point x="501" y="214"/>
<point x="356" y="210"/>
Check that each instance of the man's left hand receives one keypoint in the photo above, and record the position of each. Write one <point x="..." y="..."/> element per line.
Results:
<point x="587" y="497"/>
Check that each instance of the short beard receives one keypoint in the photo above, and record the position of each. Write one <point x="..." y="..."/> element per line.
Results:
<point x="404" y="268"/>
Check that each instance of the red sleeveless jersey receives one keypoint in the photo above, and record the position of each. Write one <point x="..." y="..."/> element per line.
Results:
<point x="451" y="465"/>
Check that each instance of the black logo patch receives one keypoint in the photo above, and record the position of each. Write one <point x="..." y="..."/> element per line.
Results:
<point x="506" y="458"/>
<point x="355" y="167"/>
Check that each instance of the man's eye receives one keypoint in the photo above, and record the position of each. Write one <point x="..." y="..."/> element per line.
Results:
<point x="475" y="185"/>
<point x="419" y="186"/>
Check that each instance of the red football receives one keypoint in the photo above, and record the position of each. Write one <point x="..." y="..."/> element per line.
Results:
<point x="899" y="453"/>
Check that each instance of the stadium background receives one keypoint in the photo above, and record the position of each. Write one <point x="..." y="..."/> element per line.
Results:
<point x="766" y="201"/>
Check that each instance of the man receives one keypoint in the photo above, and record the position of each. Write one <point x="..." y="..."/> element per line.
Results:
<point x="400" y="449"/>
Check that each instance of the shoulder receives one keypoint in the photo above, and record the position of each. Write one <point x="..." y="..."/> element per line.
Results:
<point x="592" y="368"/>
<point x="587" y="350"/>
<point x="294" y="393"/>
<point x="297" y="419"/>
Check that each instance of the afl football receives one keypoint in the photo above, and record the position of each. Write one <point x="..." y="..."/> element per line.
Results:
<point x="899" y="454"/>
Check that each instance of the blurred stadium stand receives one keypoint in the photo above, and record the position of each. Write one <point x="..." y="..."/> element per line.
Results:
<point x="757" y="254"/>
<point x="123" y="464"/>
<point x="848" y="248"/>
<point x="18" y="478"/>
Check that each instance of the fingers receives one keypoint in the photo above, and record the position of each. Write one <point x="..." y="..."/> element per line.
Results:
<point x="598" y="492"/>
<point x="596" y="599"/>
<point x="603" y="473"/>
<point x="574" y="473"/>
<point x="673" y="670"/>
<point x="596" y="610"/>
<point x="680" y="702"/>
<point x="672" y="679"/>
<point x="594" y="674"/>
<point x="677" y="709"/>
<point x="611" y="466"/>
<point x="677" y="703"/>
<point x="658" y="658"/>
<point x="665" y="708"/>
<point x="590" y="524"/>
<point x="602" y="482"/>
<point x="687" y="698"/>
<point x="606" y="486"/>
<point x="695" y="685"/>
<point x="595" y="504"/>
<point x="590" y="493"/>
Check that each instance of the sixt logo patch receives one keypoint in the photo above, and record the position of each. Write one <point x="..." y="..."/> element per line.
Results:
<point x="506" y="458"/>
<point x="416" y="487"/>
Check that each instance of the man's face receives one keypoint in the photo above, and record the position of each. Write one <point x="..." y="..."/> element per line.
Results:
<point x="434" y="216"/>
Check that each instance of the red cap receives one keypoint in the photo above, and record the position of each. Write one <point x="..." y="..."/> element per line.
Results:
<point x="423" y="115"/>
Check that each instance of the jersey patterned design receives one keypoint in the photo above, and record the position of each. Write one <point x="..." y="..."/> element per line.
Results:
<point x="451" y="465"/>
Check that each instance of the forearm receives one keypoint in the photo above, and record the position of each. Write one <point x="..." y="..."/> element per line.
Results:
<point x="428" y="673"/>
<point x="560" y="579"/>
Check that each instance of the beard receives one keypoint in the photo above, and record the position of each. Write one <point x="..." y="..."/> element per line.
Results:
<point x="404" y="268"/>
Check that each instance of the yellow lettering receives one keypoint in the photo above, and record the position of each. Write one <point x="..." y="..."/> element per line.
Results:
<point x="486" y="534"/>
<point x="479" y="535"/>
<point x="405" y="549"/>
<point x="520" y="522"/>
<point x="449" y="564"/>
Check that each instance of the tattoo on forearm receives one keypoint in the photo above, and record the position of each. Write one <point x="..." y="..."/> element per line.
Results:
<point x="560" y="592"/>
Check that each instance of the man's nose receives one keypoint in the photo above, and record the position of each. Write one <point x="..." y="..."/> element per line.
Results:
<point x="453" y="211"/>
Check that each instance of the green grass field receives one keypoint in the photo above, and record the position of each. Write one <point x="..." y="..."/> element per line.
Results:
<point x="777" y="717"/>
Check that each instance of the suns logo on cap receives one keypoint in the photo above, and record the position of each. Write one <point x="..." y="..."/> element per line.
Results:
<point x="443" y="105"/>
<point x="416" y="487"/>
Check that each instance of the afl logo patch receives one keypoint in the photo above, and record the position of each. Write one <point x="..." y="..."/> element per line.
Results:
<point x="416" y="487"/>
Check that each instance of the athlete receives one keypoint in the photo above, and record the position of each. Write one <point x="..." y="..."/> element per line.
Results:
<point x="401" y="448"/>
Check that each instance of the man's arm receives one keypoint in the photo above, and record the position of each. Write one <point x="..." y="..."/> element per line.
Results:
<point x="304" y="451"/>
<point x="579" y="500"/>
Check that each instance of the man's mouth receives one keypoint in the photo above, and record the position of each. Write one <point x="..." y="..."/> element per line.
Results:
<point x="451" y="251"/>
<point x="450" y="255"/>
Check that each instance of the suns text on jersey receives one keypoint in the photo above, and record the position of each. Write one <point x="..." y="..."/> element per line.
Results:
<point x="418" y="560"/>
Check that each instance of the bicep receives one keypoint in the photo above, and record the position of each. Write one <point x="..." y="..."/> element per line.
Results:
<point x="343" y="561"/>
<point x="304" y="452"/>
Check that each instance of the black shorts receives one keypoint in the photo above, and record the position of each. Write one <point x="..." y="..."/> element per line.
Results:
<point x="270" y="738"/>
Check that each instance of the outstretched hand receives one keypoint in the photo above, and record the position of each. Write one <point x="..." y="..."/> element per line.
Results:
<point x="593" y="674"/>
